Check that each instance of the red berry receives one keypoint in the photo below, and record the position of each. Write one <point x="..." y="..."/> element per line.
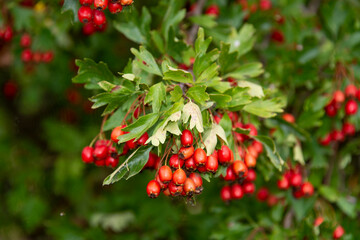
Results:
<point x="253" y="130"/>
<point x="162" y="185"/>
<point x="249" y="187"/>
<point x="136" y="112"/>
<point x="86" y="2"/>
<point x="100" y="162"/>
<point x="101" y="152"/>
<point x="142" y="140"/>
<point x="233" y="116"/>
<point x="201" y="169"/>
<point x="115" y="7"/>
<point x="225" y="193"/>
<point x="272" y="200"/>
<point x="350" y="90"/>
<point x="258" y="146"/>
<point x="339" y="96"/>
<point x="126" y="2"/>
<point x="8" y="34"/>
<point x="190" y="164"/>
<point x="197" y="181"/>
<point x="325" y="140"/>
<point x="288" y="117"/>
<point x="175" y="162"/>
<point x="307" y="189"/>
<point x="189" y="187"/>
<point x="213" y="10"/>
<point x="217" y="118"/>
<point x="251" y="176"/>
<point x="131" y="144"/>
<point x="100" y="4"/>
<point x="337" y="135"/>
<point x="186" y="138"/>
<point x="99" y="18"/>
<point x="102" y="142"/>
<point x="230" y="174"/>
<point x="318" y="221"/>
<point x="330" y="109"/>
<point x="85" y="14"/>
<point x="358" y="94"/>
<point x="224" y="155"/>
<point x="175" y="190"/>
<point x="167" y="192"/>
<point x="87" y="155"/>
<point x="88" y="28"/>
<point x="111" y="162"/>
<point x="151" y="161"/>
<point x="212" y="164"/>
<point x="277" y="36"/>
<point x="153" y="189"/>
<point x="251" y="150"/>
<point x="200" y="157"/>
<point x="179" y="177"/>
<point x="165" y="174"/>
<point x="125" y="150"/>
<point x="351" y="107"/>
<point x="101" y="28"/>
<point x="25" y="40"/>
<point x="186" y="152"/>
<point x="265" y="5"/>
<point x="338" y="232"/>
<point x="348" y="129"/>
<point x="296" y="180"/>
<point x="236" y="191"/>
<point x="250" y="160"/>
<point x="116" y="132"/>
<point x="10" y="89"/>
<point x="283" y="183"/>
<point x="240" y="168"/>
<point x="262" y="194"/>
<point x="232" y="81"/>
<point x="26" y="55"/>
<point x="47" y="56"/>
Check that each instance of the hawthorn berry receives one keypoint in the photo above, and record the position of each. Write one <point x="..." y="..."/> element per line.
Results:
<point x="318" y="221"/>
<point x="26" y="55"/>
<point x="251" y="176"/>
<point x="175" y="190"/>
<point x="258" y="146"/>
<point x="99" y="18"/>
<point x="288" y="117"/>
<point x="337" y="135"/>
<point x="165" y="174"/>
<point x="307" y="189"/>
<point x="350" y="90"/>
<point x="116" y="132"/>
<point x="225" y="193"/>
<point x="100" y="4"/>
<point x="217" y="118"/>
<point x="190" y="164"/>
<point x="339" y="96"/>
<point x="348" y="129"/>
<point x="283" y="183"/>
<point x="175" y="162"/>
<point x="153" y="189"/>
<point x="87" y="154"/>
<point x="250" y="160"/>
<point x="85" y="14"/>
<point x="131" y="144"/>
<point x="151" y="160"/>
<point x="111" y="161"/>
<point x="179" y="177"/>
<point x="272" y="200"/>
<point x="224" y="155"/>
<point x="47" y="56"/>
<point x="166" y="192"/>
<point x="200" y="157"/>
<point x="114" y="7"/>
<point x="186" y="138"/>
<point x="10" y="89"/>
<point x="201" y="169"/>
<point x="100" y="162"/>
<point x="101" y="152"/>
<point x="236" y="191"/>
<point x="277" y="36"/>
<point x="88" y="28"/>
<point x="197" y="181"/>
<point x="296" y="180"/>
<point x="86" y="2"/>
<point x="126" y="2"/>
<point x="142" y="140"/>
<point x="325" y="140"/>
<point x="212" y="164"/>
<point x="253" y="130"/>
<point x="249" y="187"/>
<point x="162" y="185"/>
<point x="351" y="107"/>
<point x="265" y="5"/>
<point x="102" y="142"/>
<point x="8" y="34"/>
<point x="233" y="116"/>
<point x="230" y="174"/>
<point x="298" y="194"/>
<point x="338" y="232"/>
<point x="262" y="194"/>
<point x="25" y="40"/>
<point x="186" y="152"/>
<point x="240" y="168"/>
<point x="189" y="187"/>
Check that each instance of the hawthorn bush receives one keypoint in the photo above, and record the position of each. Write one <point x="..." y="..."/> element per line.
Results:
<point x="240" y="117"/>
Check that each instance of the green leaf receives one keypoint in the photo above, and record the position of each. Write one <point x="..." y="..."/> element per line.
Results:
<point x="132" y="165"/>
<point x="298" y="154"/>
<point x="146" y="61"/>
<point x="73" y="6"/>
<point x="115" y="120"/>
<point x="254" y="90"/>
<point x="329" y="193"/>
<point x="158" y="41"/>
<point x="176" y="94"/>
<point x="201" y="45"/>
<point x="221" y="100"/>
<point x="205" y="67"/>
<point x="271" y="151"/>
<point x="191" y="110"/>
<point x="139" y="127"/>
<point x="239" y="97"/>
<point x="210" y="137"/>
<point x="178" y="75"/>
<point x="247" y="70"/>
<point x="106" y="86"/>
<point x="172" y="17"/>
<point x="243" y="41"/>
<point x="206" y="21"/>
<point x="156" y="95"/>
<point x="198" y="94"/>
<point x="226" y="124"/>
<point x="245" y="131"/>
<point x="226" y="59"/>
<point x="265" y="108"/>
<point x="91" y="73"/>
<point x="348" y="207"/>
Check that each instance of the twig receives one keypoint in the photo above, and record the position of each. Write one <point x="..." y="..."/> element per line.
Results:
<point x="288" y="218"/>
<point x="193" y="30"/>
<point x="130" y="109"/>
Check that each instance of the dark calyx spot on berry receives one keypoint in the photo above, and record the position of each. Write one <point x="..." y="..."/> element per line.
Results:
<point x="199" y="190"/>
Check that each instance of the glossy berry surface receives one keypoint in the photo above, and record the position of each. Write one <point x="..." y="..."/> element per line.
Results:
<point x="236" y="191"/>
<point x="189" y="187"/>
<point x="100" y="4"/>
<point x="165" y="174"/>
<point x="351" y="107"/>
<point x="85" y="14"/>
<point x="179" y="177"/>
<point x="117" y="132"/>
<point x="101" y="152"/>
<point x="225" y="193"/>
<point x="153" y="189"/>
<point x="338" y="232"/>
<point x="87" y="155"/>
<point x="224" y="155"/>
<point x="200" y="157"/>
<point x="240" y="168"/>
<point x="99" y="18"/>
<point x="186" y="152"/>
<point x="212" y="164"/>
<point x="175" y="162"/>
<point x="186" y="138"/>
<point x="115" y="8"/>
<point x="86" y="2"/>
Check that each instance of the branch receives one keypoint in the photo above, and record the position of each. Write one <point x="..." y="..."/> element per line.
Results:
<point x="194" y="29"/>
<point x="288" y="218"/>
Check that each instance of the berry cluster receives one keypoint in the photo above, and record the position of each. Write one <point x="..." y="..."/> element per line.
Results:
<point x="179" y="177"/>
<point x="338" y="231"/>
<point x="293" y="178"/>
<point x="27" y="55"/>
<point x="94" y="19"/>
<point x="103" y="154"/>
<point x="350" y="107"/>
<point x="6" y="34"/>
